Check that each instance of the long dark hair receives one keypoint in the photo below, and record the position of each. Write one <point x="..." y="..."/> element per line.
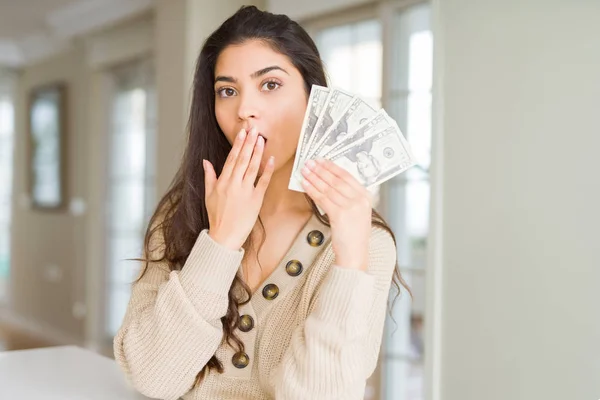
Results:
<point x="181" y="213"/>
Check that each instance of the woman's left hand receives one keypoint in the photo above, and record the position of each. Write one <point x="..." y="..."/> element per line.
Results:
<point x="347" y="204"/>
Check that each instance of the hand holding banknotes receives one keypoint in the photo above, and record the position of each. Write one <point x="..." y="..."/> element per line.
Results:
<point x="347" y="204"/>
<point x="350" y="133"/>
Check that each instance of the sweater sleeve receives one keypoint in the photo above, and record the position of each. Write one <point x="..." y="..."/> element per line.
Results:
<point x="172" y="325"/>
<point x="335" y="351"/>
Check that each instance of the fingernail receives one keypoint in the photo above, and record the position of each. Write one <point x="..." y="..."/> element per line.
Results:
<point x="310" y="163"/>
<point x="242" y="134"/>
<point x="204" y="163"/>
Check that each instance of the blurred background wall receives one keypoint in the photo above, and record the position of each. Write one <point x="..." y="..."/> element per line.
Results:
<point x="520" y="87"/>
<point x="496" y="226"/>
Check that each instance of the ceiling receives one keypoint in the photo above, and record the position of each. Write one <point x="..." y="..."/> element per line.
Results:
<point x="34" y="29"/>
<point x="19" y="18"/>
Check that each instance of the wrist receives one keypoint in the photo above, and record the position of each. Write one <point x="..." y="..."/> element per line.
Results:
<point x="222" y="241"/>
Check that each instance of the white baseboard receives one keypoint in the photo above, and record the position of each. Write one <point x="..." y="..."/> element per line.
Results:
<point x="37" y="329"/>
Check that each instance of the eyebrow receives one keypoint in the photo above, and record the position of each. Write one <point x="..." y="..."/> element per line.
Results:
<point x="254" y="75"/>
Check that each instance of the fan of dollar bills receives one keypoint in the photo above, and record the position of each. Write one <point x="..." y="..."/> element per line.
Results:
<point x="343" y="128"/>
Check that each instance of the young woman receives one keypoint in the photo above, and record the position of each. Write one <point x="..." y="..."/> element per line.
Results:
<point x="213" y="315"/>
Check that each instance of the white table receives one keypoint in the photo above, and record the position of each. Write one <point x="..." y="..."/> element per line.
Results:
<point x="62" y="373"/>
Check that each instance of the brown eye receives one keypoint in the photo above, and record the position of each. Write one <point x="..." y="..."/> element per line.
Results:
<point x="226" y="92"/>
<point x="271" y="85"/>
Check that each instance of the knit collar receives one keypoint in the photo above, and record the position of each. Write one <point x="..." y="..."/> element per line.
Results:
<point x="285" y="280"/>
<point x="282" y="279"/>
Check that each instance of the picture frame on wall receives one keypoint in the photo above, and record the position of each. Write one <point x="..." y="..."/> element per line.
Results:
<point x="46" y="155"/>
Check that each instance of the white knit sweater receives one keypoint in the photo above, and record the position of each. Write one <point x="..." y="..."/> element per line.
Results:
<point x="318" y="339"/>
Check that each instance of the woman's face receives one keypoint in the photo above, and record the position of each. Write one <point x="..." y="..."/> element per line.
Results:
<point x="258" y="87"/>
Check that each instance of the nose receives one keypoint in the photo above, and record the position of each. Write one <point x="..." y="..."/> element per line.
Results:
<point x="248" y="110"/>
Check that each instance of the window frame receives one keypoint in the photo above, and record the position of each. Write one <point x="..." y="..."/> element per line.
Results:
<point x="8" y="92"/>
<point x="143" y="65"/>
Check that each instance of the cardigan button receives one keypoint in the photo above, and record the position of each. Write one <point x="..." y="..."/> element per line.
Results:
<point x="315" y="238"/>
<point x="246" y="323"/>
<point x="270" y="291"/>
<point x="240" y="360"/>
<point x="293" y="268"/>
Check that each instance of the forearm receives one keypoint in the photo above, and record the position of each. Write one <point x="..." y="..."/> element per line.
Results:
<point x="164" y="345"/>
<point x="173" y="323"/>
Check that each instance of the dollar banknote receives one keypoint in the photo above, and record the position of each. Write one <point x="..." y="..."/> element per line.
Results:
<point x="376" y="158"/>
<point x="380" y="121"/>
<point x="316" y="102"/>
<point x="335" y="105"/>
<point x="356" y="114"/>
<point x="336" y="102"/>
<point x="345" y="129"/>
